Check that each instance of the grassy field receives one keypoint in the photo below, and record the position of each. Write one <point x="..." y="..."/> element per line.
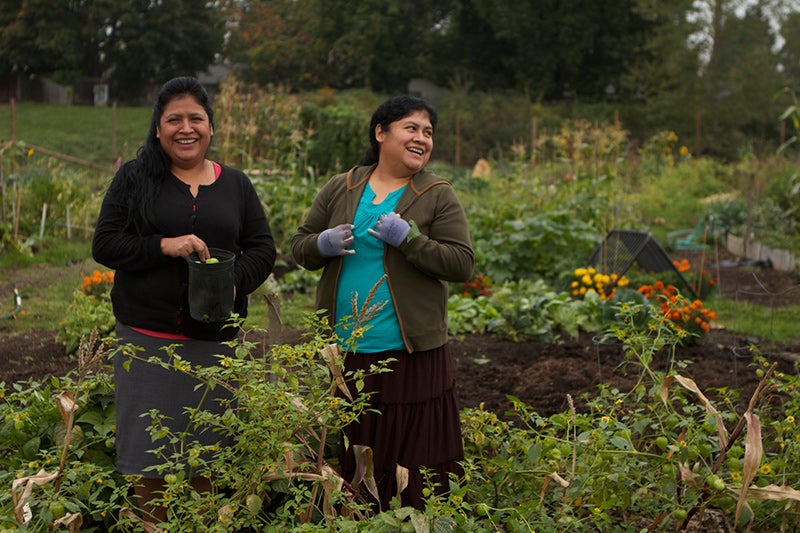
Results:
<point x="96" y="134"/>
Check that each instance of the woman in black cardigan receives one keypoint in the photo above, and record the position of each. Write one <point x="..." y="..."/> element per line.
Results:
<point x="167" y="203"/>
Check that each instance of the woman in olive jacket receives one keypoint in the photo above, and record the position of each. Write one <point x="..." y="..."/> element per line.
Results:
<point x="395" y="230"/>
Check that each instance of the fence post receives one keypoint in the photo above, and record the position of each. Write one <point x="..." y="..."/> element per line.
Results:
<point x="12" y="120"/>
<point x="114" y="130"/>
<point x="44" y="219"/>
<point x="458" y="140"/>
<point x="69" y="225"/>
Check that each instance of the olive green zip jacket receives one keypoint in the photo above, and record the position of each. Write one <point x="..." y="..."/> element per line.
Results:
<point x="438" y="250"/>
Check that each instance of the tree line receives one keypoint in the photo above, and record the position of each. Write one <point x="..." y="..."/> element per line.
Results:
<point x="719" y="63"/>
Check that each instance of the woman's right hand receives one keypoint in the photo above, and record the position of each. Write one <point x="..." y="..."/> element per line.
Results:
<point x="184" y="245"/>
<point x="334" y="241"/>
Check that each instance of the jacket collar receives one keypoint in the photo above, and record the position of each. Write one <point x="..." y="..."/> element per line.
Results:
<point x="420" y="182"/>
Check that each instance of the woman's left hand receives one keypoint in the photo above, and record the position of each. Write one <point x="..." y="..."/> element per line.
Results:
<point x="391" y="229"/>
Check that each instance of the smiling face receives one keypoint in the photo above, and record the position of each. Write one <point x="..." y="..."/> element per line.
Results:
<point x="184" y="132"/>
<point x="406" y="145"/>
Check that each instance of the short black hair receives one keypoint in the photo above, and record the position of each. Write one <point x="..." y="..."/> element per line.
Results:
<point x="390" y="111"/>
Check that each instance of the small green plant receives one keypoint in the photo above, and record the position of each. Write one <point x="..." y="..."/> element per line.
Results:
<point x="90" y="309"/>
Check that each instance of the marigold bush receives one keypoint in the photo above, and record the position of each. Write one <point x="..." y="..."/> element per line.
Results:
<point x="691" y="316"/>
<point x="590" y="280"/>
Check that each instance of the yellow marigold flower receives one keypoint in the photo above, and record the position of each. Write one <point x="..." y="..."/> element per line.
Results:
<point x="580" y="272"/>
<point x="30" y="152"/>
<point x="587" y="279"/>
<point x="790" y="419"/>
<point x="736" y="476"/>
<point x="684" y="151"/>
<point x="765" y="470"/>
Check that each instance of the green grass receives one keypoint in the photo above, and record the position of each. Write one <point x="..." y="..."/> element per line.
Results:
<point x="777" y="325"/>
<point x="45" y="281"/>
<point x="84" y="132"/>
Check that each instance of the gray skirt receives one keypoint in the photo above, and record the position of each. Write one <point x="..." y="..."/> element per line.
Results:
<point x="145" y="386"/>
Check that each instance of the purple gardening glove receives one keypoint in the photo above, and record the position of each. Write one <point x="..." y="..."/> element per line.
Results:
<point x="334" y="241"/>
<point x="391" y="229"/>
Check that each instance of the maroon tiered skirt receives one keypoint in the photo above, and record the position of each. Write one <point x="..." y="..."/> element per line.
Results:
<point x="418" y="423"/>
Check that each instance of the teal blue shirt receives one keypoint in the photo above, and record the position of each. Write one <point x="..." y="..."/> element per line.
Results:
<point x="360" y="272"/>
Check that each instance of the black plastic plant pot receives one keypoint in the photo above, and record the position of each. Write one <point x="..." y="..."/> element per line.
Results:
<point x="211" y="286"/>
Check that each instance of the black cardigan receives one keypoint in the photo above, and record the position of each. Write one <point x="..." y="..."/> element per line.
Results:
<point x="150" y="289"/>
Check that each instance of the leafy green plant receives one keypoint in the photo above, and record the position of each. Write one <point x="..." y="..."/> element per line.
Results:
<point x="519" y="309"/>
<point x="89" y="310"/>
<point x="540" y="246"/>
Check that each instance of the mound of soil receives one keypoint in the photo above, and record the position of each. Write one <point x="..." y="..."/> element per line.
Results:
<point x="540" y="374"/>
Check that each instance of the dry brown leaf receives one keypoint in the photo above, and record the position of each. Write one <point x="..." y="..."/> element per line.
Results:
<point x="686" y="474"/>
<point x="401" y="474"/>
<point x="552" y="477"/>
<point x="67" y="406"/>
<point x="753" y="453"/>
<point x="26" y="484"/>
<point x="331" y="355"/>
<point x="690" y="385"/>
<point x="772" y="492"/>
<point x="73" y="521"/>
<point x="147" y="527"/>
<point x="365" y="471"/>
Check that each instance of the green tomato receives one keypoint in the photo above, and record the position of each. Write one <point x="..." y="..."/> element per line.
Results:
<point x="482" y="509"/>
<point x="555" y="454"/>
<point x="171" y="479"/>
<point x="705" y="449"/>
<point x="736" y="451"/>
<point x="680" y="514"/>
<point x="253" y="502"/>
<point x="715" y="482"/>
<point x="57" y="509"/>
<point x="662" y="442"/>
<point x="671" y="421"/>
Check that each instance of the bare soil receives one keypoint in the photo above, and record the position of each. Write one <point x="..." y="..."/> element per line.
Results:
<point x="541" y="374"/>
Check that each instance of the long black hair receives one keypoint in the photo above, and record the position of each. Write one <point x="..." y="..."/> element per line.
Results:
<point x="390" y="111"/>
<point x="142" y="177"/>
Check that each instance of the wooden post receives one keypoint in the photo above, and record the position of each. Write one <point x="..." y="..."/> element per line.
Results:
<point x="2" y="193"/>
<point x="12" y="120"/>
<point x="697" y="126"/>
<point x="69" y="225"/>
<point x="458" y="141"/>
<point x="114" y="130"/>
<point x="16" y="210"/>
<point x="44" y="219"/>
